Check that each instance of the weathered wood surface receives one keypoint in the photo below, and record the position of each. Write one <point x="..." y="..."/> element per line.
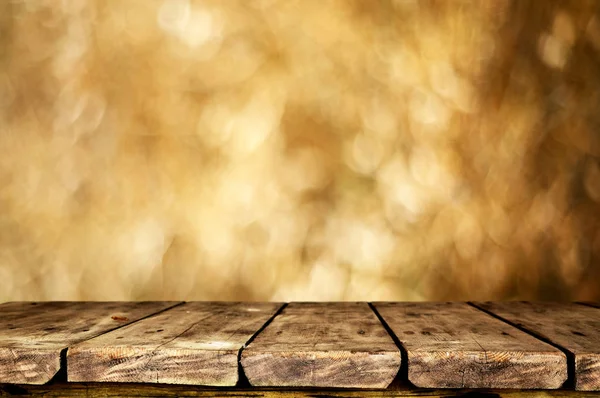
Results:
<point x="32" y="335"/>
<point x="453" y="345"/>
<point x="323" y="345"/>
<point x="195" y="343"/>
<point x="573" y="327"/>
<point x="93" y="390"/>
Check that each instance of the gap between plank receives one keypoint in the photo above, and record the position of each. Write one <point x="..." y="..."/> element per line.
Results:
<point x="570" y="382"/>
<point x="61" y="375"/>
<point x="402" y="375"/>
<point x="596" y="306"/>
<point x="242" y="379"/>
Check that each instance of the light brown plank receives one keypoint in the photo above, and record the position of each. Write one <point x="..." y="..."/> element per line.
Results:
<point x="574" y="327"/>
<point x="32" y="335"/>
<point x="195" y="343"/>
<point x="323" y="345"/>
<point x="453" y="345"/>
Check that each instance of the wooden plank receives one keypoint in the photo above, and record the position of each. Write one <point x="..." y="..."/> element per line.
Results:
<point x="574" y="327"/>
<point x="93" y="390"/>
<point x="195" y="343"/>
<point x="323" y="345"/>
<point x="453" y="345"/>
<point x="32" y="335"/>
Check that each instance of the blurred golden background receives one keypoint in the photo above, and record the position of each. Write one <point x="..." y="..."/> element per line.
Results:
<point x="299" y="150"/>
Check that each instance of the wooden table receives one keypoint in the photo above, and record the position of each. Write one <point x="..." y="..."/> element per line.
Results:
<point x="345" y="349"/>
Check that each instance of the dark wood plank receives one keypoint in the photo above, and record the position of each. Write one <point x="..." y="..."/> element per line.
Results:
<point x="93" y="390"/>
<point x="453" y="345"/>
<point x="195" y="343"/>
<point x="32" y="335"/>
<point x="323" y="345"/>
<point x="574" y="327"/>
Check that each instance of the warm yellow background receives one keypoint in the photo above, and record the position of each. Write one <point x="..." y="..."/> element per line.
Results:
<point x="299" y="150"/>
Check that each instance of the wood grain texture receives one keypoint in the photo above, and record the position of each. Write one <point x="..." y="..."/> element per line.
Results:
<point x="195" y="343"/>
<point x="32" y="335"/>
<point x="323" y="345"/>
<point x="93" y="390"/>
<point x="453" y="345"/>
<point x="574" y="327"/>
